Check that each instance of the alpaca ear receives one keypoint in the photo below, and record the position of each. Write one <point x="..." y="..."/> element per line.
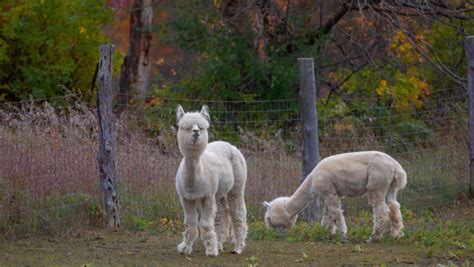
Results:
<point x="179" y="112"/>
<point x="266" y="204"/>
<point x="205" y="112"/>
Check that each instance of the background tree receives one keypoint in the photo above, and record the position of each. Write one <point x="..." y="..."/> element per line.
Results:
<point x="135" y="71"/>
<point x="46" y="46"/>
<point x="248" y="49"/>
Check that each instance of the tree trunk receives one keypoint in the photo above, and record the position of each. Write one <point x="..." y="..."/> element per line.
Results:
<point x="469" y="48"/>
<point x="135" y="70"/>
<point x="143" y="72"/>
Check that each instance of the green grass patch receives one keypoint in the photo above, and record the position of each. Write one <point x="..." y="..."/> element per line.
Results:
<point x="452" y="237"/>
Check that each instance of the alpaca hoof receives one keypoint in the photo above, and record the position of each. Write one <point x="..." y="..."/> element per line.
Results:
<point x="212" y="252"/>
<point x="237" y="250"/>
<point x="184" y="249"/>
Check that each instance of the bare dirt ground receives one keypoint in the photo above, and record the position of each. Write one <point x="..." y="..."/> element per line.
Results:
<point x="103" y="248"/>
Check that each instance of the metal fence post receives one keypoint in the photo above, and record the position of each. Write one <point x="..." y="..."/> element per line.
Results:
<point x="469" y="48"/>
<point x="309" y="123"/>
<point x="106" y="156"/>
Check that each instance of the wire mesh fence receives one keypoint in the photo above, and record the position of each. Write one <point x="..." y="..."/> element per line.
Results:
<point x="49" y="177"/>
<point x="148" y="155"/>
<point x="430" y="142"/>
<point x="48" y="168"/>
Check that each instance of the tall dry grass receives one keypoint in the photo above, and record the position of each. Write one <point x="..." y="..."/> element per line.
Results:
<point x="50" y="180"/>
<point x="49" y="177"/>
<point x="48" y="171"/>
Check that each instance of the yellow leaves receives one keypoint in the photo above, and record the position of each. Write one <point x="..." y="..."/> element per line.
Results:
<point x="217" y="3"/>
<point x="82" y="30"/>
<point x="407" y="92"/>
<point x="382" y="89"/>
<point x="423" y="85"/>
<point x="402" y="48"/>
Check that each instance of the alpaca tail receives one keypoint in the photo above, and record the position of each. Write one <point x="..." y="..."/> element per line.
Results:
<point x="399" y="182"/>
<point x="400" y="178"/>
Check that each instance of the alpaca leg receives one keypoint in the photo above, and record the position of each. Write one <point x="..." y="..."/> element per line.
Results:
<point x="380" y="210"/>
<point x="325" y="219"/>
<point x="238" y="215"/>
<point x="222" y="222"/>
<point x="333" y="204"/>
<point x="327" y="223"/>
<point x="396" y="221"/>
<point x="206" y="226"/>
<point x="190" y="234"/>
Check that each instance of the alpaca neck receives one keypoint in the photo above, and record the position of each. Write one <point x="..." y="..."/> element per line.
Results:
<point x="192" y="168"/>
<point x="302" y="197"/>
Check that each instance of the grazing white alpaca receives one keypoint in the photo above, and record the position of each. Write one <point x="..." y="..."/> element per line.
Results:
<point x="373" y="173"/>
<point x="210" y="178"/>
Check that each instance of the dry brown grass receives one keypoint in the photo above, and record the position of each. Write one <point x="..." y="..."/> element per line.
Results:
<point x="50" y="172"/>
<point x="49" y="178"/>
<point x="48" y="166"/>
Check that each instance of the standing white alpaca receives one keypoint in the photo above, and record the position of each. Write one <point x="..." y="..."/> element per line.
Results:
<point x="210" y="178"/>
<point x="372" y="173"/>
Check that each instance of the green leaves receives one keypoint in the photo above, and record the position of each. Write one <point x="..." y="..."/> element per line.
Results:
<point x="48" y="45"/>
<point x="229" y="63"/>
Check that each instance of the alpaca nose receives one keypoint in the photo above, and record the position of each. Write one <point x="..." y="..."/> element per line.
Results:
<point x="195" y="131"/>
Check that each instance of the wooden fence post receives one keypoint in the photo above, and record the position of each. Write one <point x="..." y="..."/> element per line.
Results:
<point x="469" y="47"/>
<point x="106" y="156"/>
<point x="309" y="124"/>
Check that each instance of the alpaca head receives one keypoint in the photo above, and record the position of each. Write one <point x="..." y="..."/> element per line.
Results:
<point x="277" y="216"/>
<point x="192" y="131"/>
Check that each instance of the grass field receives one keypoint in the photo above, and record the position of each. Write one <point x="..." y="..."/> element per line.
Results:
<point x="445" y="237"/>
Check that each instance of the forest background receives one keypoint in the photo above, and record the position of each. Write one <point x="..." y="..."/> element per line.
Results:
<point x="398" y="51"/>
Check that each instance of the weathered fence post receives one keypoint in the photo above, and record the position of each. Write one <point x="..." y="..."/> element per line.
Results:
<point x="469" y="47"/>
<point x="106" y="156"/>
<point x="309" y="124"/>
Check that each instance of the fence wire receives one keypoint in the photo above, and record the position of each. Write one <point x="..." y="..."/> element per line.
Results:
<point x="48" y="171"/>
<point x="49" y="177"/>
<point x="148" y="155"/>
